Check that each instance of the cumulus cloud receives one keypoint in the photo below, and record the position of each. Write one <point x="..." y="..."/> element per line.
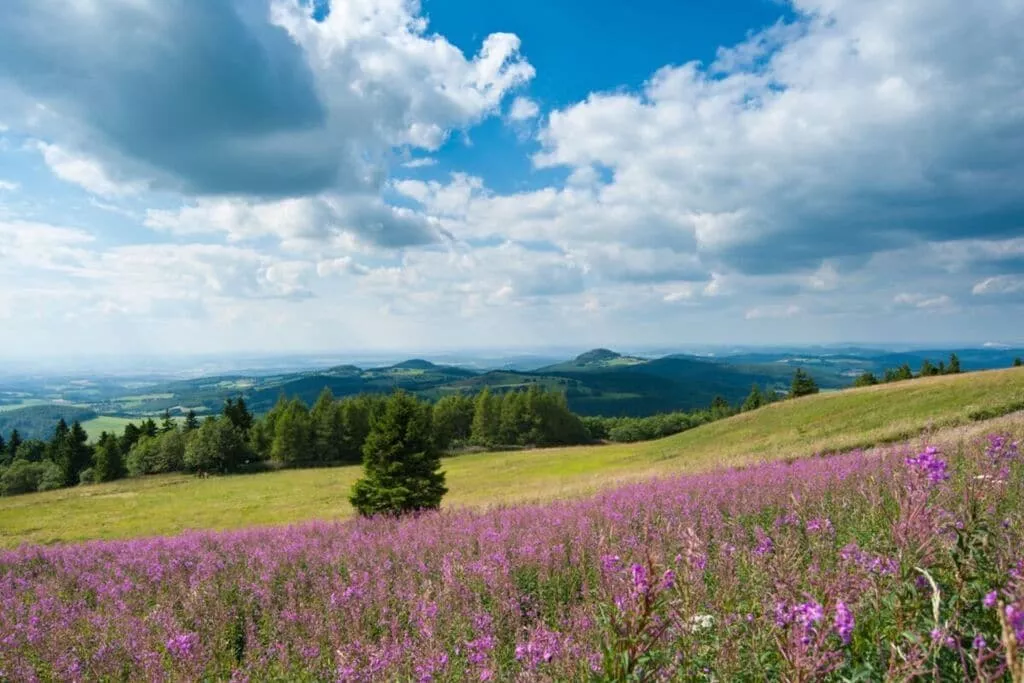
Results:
<point x="523" y="109"/>
<point x="244" y="98"/>
<point x="773" y="311"/>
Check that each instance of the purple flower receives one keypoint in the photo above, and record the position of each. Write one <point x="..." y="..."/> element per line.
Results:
<point x="764" y="543"/>
<point x="1015" y="618"/>
<point x="639" y="575"/>
<point x="182" y="645"/>
<point x="844" y="622"/>
<point x="990" y="599"/>
<point x="668" y="579"/>
<point x="979" y="642"/>
<point x="929" y="463"/>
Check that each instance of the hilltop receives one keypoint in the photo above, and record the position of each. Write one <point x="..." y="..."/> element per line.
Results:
<point x="790" y="429"/>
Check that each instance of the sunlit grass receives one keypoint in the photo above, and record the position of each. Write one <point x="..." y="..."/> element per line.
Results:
<point x="816" y="424"/>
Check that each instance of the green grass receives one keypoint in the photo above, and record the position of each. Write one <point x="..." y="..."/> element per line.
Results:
<point x="106" y="423"/>
<point x="822" y="423"/>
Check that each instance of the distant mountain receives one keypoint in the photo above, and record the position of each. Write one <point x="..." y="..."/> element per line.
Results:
<point x="598" y="382"/>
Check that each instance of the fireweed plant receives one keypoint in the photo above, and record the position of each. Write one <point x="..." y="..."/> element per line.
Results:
<point x="892" y="564"/>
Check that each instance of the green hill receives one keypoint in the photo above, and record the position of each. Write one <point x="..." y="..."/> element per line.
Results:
<point x="790" y="429"/>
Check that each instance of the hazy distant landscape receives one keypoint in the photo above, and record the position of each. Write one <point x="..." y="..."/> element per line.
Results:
<point x="441" y="341"/>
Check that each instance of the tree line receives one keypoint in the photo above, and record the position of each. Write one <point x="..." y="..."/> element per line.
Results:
<point x="903" y="372"/>
<point x="331" y="432"/>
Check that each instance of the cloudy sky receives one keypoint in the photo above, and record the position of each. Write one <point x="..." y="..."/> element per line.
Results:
<point x="272" y="175"/>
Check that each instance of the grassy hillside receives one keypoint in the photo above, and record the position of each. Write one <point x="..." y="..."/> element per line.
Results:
<point x="827" y="422"/>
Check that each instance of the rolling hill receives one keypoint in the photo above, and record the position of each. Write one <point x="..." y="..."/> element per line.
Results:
<point x="790" y="429"/>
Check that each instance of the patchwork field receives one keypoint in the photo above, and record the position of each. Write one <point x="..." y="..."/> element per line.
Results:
<point x="792" y="429"/>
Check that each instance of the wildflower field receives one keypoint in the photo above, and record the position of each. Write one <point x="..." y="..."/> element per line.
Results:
<point x="886" y="564"/>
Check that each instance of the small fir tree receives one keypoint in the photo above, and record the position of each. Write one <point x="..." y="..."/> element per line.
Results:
<point x="803" y="384"/>
<point x="402" y="470"/>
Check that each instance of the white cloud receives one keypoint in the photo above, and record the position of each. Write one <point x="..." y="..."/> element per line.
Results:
<point x="8" y="186"/>
<point x="1001" y="284"/>
<point x="773" y="311"/>
<point x="523" y="109"/>
<point x="925" y="301"/>
<point x="85" y="172"/>
<point x="421" y="162"/>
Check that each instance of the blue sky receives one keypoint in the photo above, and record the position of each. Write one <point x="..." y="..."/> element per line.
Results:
<point x="263" y="175"/>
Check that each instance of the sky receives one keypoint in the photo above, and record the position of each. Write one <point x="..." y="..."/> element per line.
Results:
<point x="297" y="176"/>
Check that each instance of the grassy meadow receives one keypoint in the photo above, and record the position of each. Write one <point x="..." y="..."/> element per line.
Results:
<point x="829" y="422"/>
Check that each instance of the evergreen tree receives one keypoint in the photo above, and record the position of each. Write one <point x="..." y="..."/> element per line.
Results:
<point x="131" y="436"/>
<point x="191" y="421"/>
<point x="514" y="420"/>
<point x="73" y="454"/>
<point x="942" y="367"/>
<point x="402" y="471"/>
<point x="1017" y="362"/>
<point x="167" y="422"/>
<point x="328" y="425"/>
<point x="865" y="379"/>
<point x="57" y="448"/>
<point x="293" y="436"/>
<point x="904" y="372"/>
<point x="486" y="419"/>
<point x="803" y="384"/>
<point x="149" y="427"/>
<point x="452" y="420"/>
<point x="927" y="369"/>
<point x="954" y="364"/>
<point x="109" y="462"/>
<point x="720" y="408"/>
<point x="238" y="413"/>
<point x="755" y="399"/>
<point x="32" y="450"/>
<point x="5" y="455"/>
<point x="14" y="443"/>
<point x="356" y="413"/>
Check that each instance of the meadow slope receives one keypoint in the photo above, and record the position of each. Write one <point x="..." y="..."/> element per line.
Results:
<point x="816" y="424"/>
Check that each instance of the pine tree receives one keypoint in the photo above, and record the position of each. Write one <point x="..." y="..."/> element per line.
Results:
<point x="149" y="427"/>
<point x="803" y="384"/>
<point x="452" y="420"/>
<point x="14" y="443"/>
<point x="904" y="372"/>
<point x="954" y="364"/>
<point x="191" y="421"/>
<point x="328" y="426"/>
<point x="108" y="458"/>
<point x="167" y="423"/>
<point x="1017" y="362"/>
<point x="720" y="408"/>
<point x="293" y="436"/>
<point x="486" y="419"/>
<point x="131" y="436"/>
<point x="70" y="451"/>
<point x="5" y="457"/>
<point x="865" y="379"/>
<point x="927" y="369"/>
<point x="238" y="413"/>
<point x="402" y="470"/>
<point x="755" y="399"/>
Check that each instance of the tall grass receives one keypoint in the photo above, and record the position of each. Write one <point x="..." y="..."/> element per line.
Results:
<point x="889" y="564"/>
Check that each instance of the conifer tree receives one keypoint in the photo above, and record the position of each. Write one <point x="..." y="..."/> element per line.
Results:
<point x="803" y="384"/>
<point x="954" y="364"/>
<point x="109" y="463"/>
<point x="755" y="399"/>
<point x="1017" y="362"/>
<point x="191" y="421"/>
<point x="865" y="379"/>
<point x="486" y="419"/>
<point x="328" y="424"/>
<point x="293" y="437"/>
<point x="167" y="423"/>
<point x="402" y="470"/>
<point x="13" y="443"/>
